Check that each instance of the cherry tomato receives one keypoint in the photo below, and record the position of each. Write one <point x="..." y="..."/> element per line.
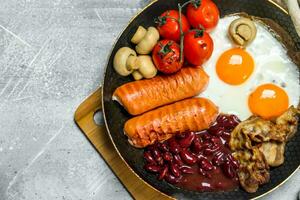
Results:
<point x="206" y="14"/>
<point x="166" y="56"/>
<point x="198" y="47"/>
<point x="168" y="26"/>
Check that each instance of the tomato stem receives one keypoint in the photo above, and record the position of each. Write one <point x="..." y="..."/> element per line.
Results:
<point x="180" y="7"/>
<point x="181" y="32"/>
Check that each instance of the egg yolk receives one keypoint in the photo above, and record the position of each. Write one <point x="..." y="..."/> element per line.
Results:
<point x="268" y="101"/>
<point x="235" y="66"/>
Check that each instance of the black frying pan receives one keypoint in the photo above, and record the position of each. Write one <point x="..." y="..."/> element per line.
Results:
<point x="115" y="116"/>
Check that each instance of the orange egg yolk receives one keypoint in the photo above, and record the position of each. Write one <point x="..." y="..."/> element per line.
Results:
<point x="235" y="66"/>
<point x="268" y="101"/>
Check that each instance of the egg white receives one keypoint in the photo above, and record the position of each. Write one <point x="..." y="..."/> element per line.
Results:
<point x="272" y="65"/>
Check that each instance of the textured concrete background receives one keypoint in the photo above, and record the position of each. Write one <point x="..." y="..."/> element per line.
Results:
<point x="52" y="55"/>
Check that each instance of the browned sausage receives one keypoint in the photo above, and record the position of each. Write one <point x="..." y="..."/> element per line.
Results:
<point x="194" y="114"/>
<point x="140" y="96"/>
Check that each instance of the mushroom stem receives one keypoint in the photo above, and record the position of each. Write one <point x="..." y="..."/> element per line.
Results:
<point x="131" y="63"/>
<point x="137" y="75"/>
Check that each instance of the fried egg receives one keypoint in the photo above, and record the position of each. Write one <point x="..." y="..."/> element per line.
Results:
<point x="259" y="80"/>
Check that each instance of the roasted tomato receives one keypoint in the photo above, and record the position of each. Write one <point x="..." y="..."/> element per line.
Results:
<point x="203" y="13"/>
<point x="166" y="56"/>
<point x="168" y="26"/>
<point x="198" y="46"/>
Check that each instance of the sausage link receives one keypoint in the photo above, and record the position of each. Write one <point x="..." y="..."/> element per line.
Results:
<point x="138" y="97"/>
<point x="194" y="114"/>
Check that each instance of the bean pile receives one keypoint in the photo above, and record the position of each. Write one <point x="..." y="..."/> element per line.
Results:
<point x="196" y="160"/>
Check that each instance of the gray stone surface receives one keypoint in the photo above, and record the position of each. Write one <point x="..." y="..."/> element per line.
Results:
<point x="52" y="55"/>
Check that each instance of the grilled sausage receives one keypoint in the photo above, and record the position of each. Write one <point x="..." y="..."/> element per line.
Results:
<point x="140" y="96"/>
<point x="194" y="114"/>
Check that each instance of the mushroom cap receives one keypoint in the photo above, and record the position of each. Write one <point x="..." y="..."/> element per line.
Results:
<point x="146" y="66"/>
<point x="120" y="59"/>
<point x="146" y="45"/>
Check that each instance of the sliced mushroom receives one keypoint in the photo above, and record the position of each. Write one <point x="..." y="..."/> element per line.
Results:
<point x="242" y="31"/>
<point x="120" y="61"/>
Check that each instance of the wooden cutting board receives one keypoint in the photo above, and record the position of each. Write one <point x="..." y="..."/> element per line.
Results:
<point x="96" y="134"/>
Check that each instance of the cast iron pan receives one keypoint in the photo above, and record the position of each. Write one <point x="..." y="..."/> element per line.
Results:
<point x="115" y="116"/>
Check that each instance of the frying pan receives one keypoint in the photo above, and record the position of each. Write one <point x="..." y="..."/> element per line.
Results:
<point x="115" y="116"/>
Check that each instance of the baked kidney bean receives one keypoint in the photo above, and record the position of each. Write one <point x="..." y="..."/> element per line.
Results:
<point x="174" y="146"/>
<point x="148" y="157"/>
<point x="163" y="172"/>
<point x="187" y="170"/>
<point x="174" y="169"/>
<point x="188" y="157"/>
<point x="152" y="168"/>
<point x="187" y="140"/>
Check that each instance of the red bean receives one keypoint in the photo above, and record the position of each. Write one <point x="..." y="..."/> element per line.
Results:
<point x="187" y="170"/>
<point x="163" y="172"/>
<point x="206" y="144"/>
<point x="156" y="153"/>
<point x="219" y="158"/>
<point x="148" y="157"/>
<point x="205" y="186"/>
<point x="206" y="136"/>
<point x="164" y="147"/>
<point x="200" y="156"/>
<point x="187" y="140"/>
<point x="171" y="179"/>
<point x="216" y="140"/>
<point x="228" y="170"/>
<point x="174" y="146"/>
<point x="174" y="169"/>
<point x="167" y="156"/>
<point x="177" y="160"/>
<point x="196" y="146"/>
<point x="233" y="161"/>
<point x="211" y="150"/>
<point x="157" y="156"/>
<point x="188" y="157"/>
<point x="152" y="168"/>
<point x="206" y="165"/>
<point x="216" y="130"/>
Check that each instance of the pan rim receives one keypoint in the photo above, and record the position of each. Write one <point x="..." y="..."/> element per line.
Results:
<point x="282" y="9"/>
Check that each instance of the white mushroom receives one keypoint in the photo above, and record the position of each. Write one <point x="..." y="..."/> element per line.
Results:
<point x="139" y="35"/>
<point x="146" y="66"/>
<point x="123" y="61"/>
<point x="242" y="31"/>
<point x="137" y="75"/>
<point x="145" y="40"/>
<point x="127" y="62"/>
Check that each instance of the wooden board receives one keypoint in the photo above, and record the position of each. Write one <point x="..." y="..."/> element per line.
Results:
<point x="96" y="134"/>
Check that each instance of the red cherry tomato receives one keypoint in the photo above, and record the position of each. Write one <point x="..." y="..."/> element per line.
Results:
<point x="206" y="14"/>
<point x="168" y="26"/>
<point x="198" y="47"/>
<point x="166" y="56"/>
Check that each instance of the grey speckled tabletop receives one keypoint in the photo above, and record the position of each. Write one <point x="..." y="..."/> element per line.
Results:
<point x="52" y="55"/>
